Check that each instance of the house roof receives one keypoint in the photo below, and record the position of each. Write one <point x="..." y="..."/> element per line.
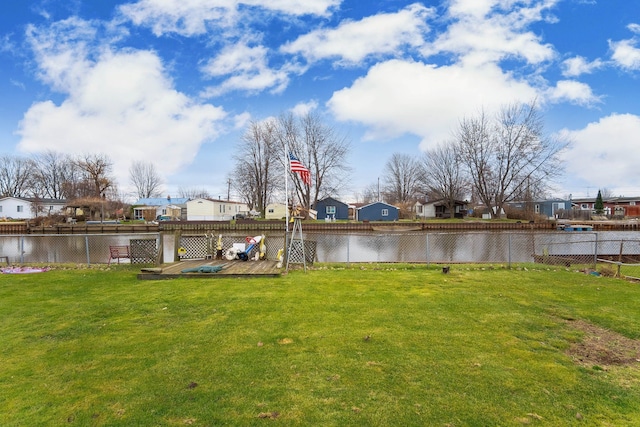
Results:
<point x="378" y="203"/>
<point x="38" y="200"/>
<point x="161" y="201"/>
<point x="331" y="199"/>
<point x="440" y="202"/>
<point x="231" y="202"/>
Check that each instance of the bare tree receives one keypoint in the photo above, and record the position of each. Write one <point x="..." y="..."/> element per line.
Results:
<point x="370" y="194"/>
<point x="606" y="193"/>
<point x="145" y="179"/>
<point x="55" y="175"/>
<point x="402" y="178"/>
<point x="321" y="150"/>
<point x="193" y="193"/>
<point x="255" y="164"/>
<point x="16" y="175"/>
<point x="442" y="174"/>
<point x="507" y="154"/>
<point x="97" y="174"/>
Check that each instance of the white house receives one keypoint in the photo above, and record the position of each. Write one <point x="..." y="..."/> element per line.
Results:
<point x="28" y="207"/>
<point x="275" y="211"/>
<point x="214" y="210"/>
<point x="159" y="206"/>
<point x="439" y="209"/>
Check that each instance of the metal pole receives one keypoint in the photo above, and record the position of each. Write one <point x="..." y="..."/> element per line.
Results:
<point x="22" y="250"/>
<point x="427" y="251"/>
<point x="595" y="253"/>
<point x="509" y="255"/>
<point x="86" y="245"/>
<point x="348" y="240"/>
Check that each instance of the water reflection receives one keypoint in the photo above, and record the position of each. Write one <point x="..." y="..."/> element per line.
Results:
<point x="487" y="246"/>
<point x="482" y="246"/>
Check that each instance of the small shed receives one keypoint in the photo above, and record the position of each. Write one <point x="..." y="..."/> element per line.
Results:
<point x="330" y="208"/>
<point x="378" y="211"/>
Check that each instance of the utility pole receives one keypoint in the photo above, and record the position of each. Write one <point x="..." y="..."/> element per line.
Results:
<point x="228" y="189"/>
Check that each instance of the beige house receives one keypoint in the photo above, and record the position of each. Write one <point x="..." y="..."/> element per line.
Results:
<point x="214" y="210"/>
<point x="275" y="211"/>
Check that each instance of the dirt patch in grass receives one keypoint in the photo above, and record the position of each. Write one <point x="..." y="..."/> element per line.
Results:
<point x="602" y="347"/>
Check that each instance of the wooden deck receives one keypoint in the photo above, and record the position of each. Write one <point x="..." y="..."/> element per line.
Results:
<point x="234" y="268"/>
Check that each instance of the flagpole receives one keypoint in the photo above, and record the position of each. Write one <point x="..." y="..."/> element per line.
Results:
<point x="286" y="188"/>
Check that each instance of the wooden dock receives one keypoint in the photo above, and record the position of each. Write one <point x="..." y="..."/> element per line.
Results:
<point x="234" y="268"/>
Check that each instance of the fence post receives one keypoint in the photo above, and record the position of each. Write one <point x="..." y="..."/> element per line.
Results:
<point x="86" y="245"/>
<point x="427" y="250"/>
<point x="620" y="258"/>
<point x="22" y="249"/>
<point x="595" y="253"/>
<point x="348" y="240"/>
<point x="509" y="254"/>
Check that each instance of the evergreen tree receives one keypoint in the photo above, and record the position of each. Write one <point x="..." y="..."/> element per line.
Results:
<point x="599" y="205"/>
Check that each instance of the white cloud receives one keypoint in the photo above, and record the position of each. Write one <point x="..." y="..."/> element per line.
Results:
<point x="626" y="54"/>
<point x="485" y="31"/>
<point x="304" y="108"/>
<point x="635" y="28"/>
<point x="192" y="17"/>
<point x="578" y="65"/>
<point x="248" y="69"/>
<point x="120" y="103"/>
<point x="398" y="97"/>
<point x="572" y="91"/>
<point x="352" y="41"/>
<point x="604" y="153"/>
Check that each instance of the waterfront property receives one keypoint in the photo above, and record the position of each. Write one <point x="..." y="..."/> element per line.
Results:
<point x="29" y="207"/>
<point x="215" y="210"/>
<point x="151" y="208"/>
<point x="439" y="209"/>
<point x="330" y="208"/>
<point x="377" y="211"/>
<point x="547" y="208"/>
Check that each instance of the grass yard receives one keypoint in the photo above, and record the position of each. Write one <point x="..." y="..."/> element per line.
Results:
<point x="371" y="345"/>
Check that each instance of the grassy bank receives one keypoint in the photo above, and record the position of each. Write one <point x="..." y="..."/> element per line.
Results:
<point x="369" y="345"/>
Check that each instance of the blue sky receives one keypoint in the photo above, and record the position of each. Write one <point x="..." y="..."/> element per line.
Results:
<point x="176" y="82"/>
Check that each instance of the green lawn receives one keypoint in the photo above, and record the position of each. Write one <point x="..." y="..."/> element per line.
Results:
<point x="365" y="346"/>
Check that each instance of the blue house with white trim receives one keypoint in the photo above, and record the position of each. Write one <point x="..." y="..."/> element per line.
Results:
<point x="330" y="208"/>
<point x="378" y="211"/>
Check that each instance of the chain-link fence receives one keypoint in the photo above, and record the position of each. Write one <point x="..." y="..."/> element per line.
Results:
<point x="582" y="249"/>
<point x="77" y="248"/>
<point x="144" y="248"/>
<point x="618" y="251"/>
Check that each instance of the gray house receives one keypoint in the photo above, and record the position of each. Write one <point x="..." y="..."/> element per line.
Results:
<point x="330" y="208"/>
<point x="378" y="211"/>
<point x="548" y="208"/>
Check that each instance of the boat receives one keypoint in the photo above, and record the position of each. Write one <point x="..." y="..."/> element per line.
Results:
<point x="575" y="227"/>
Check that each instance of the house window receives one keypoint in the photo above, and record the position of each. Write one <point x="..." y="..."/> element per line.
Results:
<point x="20" y="208"/>
<point x="419" y="209"/>
<point x="557" y="206"/>
<point x="0" y="208"/>
<point x="331" y="210"/>
<point x="632" y="203"/>
<point x="385" y="212"/>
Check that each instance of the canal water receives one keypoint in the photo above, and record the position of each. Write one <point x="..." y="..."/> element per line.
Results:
<point x="447" y="247"/>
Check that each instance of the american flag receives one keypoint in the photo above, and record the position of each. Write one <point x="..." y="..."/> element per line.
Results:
<point x="299" y="168"/>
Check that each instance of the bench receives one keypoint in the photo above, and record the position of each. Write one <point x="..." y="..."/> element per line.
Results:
<point x="118" y="252"/>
